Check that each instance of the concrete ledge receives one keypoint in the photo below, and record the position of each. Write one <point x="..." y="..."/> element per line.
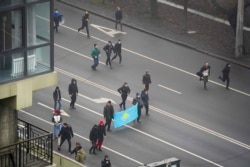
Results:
<point x="18" y="95"/>
<point x="60" y="160"/>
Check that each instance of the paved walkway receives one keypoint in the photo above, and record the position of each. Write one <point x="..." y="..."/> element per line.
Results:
<point x="145" y="26"/>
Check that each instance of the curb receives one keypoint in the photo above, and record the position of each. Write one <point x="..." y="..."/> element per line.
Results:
<point x="164" y="38"/>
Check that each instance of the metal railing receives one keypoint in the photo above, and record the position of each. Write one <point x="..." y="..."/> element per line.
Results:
<point x="34" y="148"/>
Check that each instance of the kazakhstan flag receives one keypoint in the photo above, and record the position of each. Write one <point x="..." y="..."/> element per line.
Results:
<point x="125" y="117"/>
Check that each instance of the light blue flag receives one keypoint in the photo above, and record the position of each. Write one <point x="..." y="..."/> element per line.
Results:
<point x="125" y="117"/>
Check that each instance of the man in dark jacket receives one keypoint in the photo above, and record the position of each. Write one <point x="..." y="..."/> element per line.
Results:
<point x="146" y="80"/>
<point x="73" y="92"/>
<point x="118" y="51"/>
<point x="145" y="99"/>
<point x="108" y="48"/>
<point x="204" y="73"/>
<point x="124" y="91"/>
<point x="85" y="23"/>
<point x="225" y="75"/>
<point x="106" y="162"/>
<point x="93" y="137"/>
<point x="137" y="100"/>
<point x="57" y="98"/>
<point x="66" y="133"/>
<point x="101" y="134"/>
<point x="118" y="17"/>
<point x="108" y="114"/>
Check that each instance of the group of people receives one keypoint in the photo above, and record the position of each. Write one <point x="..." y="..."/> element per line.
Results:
<point x="109" y="48"/>
<point x="204" y="73"/>
<point x="85" y="20"/>
<point x="65" y="132"/>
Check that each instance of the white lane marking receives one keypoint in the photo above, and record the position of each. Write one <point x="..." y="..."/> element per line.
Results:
<point x="158" y="110"/>
<point x="169" y="89"/>
<point x="199" y="13"/>
<point x="108" y="31"/>
<point x="116" y="152"/>
<point x="50" y="108"/>
<point x="148" y="58"/>
<point x="152" y="137"/>
<point x="98" y="100"/>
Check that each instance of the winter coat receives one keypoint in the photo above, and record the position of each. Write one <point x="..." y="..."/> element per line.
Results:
<point x="95" y="53"/>
<point x="73" y="87"/>
<point x="138" y="101"/>
<point x="93" y="135"/>
<point x="144" y="98"/>
<point x="66" y="132"/>
<point x="226" y="70"/>
<point x="124" y="91"/>
<point x="108" y="48"/>
<point x="106" y="163"/>
<point x="118" y="48"/>
<point x="57" y="95"/>
<point x="101" y="132"/>
<point x="146" y="79"/>
<point x="108" y="112"/>
<point x="118" y="15"/>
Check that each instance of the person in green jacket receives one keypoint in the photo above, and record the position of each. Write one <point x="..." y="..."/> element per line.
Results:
<point x="95" y="54"/>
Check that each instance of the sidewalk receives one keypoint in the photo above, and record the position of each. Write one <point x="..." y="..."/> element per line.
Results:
<point x="150" y="26"/>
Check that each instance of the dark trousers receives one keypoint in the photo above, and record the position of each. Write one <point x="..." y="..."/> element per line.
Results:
<point x="56" y="25"/>
<point x="139" y="113"/>
<point x="120" y="57"/>
<point x="108" y="123"/>
<point x="73" y="100"/>
<point x="226" y="78"/>
<point x="93" y="146"/>
<point x="108" y="61"/>
<point x="87" y="28"/>
<point x="205" y="80"/>
<point x="118" y="22"/>
<point x="123" y="103"/>
<point x="69" y="142"/>
<point x="146" y="108"/>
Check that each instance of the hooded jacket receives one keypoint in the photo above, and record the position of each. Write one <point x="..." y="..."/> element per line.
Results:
<point x="73" y="87"/>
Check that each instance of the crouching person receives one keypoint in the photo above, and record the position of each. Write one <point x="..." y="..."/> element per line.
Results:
<point x="80" y="155"/>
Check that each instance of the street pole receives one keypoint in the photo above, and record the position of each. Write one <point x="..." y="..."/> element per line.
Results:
<point x="185" y="14"/>
<point x="239" y="29"/>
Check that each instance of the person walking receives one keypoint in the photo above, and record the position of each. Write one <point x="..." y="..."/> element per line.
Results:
<point x="95" y="53"/>
<point x="137" y="100"/>
<point x="108" y="48"/>
<point x="118" y="51"/>
<point x="57" y="98"/>
<point x="145" y="99"/>
<point x="124" y="91"/>
<point x="73" y="92"/>
<point x="101" y="134"/>
<point x="108" y="114"/>
<point x="225" y="74"/>
<point x="66" y="133"/>
<point x="146" y="80"/>
<point x="80" y="154"/>
<point x="93" y="137"/>
<point x="85" y="23"/>
<point x="204" y="73"/>
<point x="57" y="17"/>
<point x="106" y="162"/>
<point x="57" y="120"/>
<point x="118" y="17"/>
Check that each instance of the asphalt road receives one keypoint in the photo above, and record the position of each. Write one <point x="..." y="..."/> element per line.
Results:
<point x="201" y="127"/>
